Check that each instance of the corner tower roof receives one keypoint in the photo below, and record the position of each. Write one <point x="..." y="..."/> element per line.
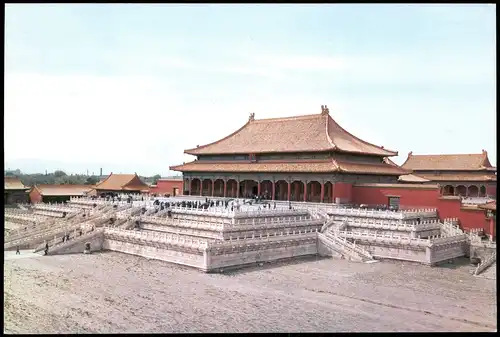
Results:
<point x="308" y="133"/>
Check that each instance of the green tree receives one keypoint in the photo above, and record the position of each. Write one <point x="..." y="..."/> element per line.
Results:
<point x="155" y="178"/>
<point x="59" y="174"/>
<point x="92" y="180"/>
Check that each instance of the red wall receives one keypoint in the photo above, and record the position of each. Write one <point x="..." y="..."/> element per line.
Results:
<point x="343" y="191"/>
<point x="413" y="197"/>
<point x="166" y="186"/>
<point x="491" y="190"/>
<point x="35" y="196"/>
<point x="409" y="197"/>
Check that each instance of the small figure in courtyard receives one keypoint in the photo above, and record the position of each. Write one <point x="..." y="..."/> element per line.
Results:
<point x="232" y="208"/>
<point x="80" y="232"/>
<point x="274" y="207"/>
<point x="17" y="251"/>
<point x="64" y="238"/>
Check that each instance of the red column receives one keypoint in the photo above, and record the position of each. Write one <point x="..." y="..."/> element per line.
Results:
<point x="237" y="189"/>
<point x="189" y="186"/>
<point x="305" y="191"/>
<point x="274" y="189"/>
<point x="322" y="192"/>
<point x="213" y="187"/>
<point x="201" y="187"/>
<point x="289" y="190"/>
<point x="333" y="194"/>
<point x="258" y="188"/>
<point x="225" y="188"/>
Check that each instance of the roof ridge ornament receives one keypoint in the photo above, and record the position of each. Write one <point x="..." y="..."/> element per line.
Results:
<point x="251" y="117"/>
<point x="324" y="110"/>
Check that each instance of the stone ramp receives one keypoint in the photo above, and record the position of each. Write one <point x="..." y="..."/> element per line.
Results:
<point x="486" y="265"/>
<point x="77" y="244"/>
<point x="490" y="272"/>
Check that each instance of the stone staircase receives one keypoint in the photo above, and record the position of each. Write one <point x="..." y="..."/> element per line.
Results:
<point x="344" y="247"/>
<point x="58" y="245"/>
<point x="329" y="237"/>
<point x="38" y="237"/>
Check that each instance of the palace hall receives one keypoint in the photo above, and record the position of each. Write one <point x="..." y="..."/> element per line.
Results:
<point x="298" y="158"/>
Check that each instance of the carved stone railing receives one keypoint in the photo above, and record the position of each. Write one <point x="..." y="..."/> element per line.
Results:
<point x="384" y="214"/>
<point x="439" y="240"/>
<point x="42" y="236"/>
<point x="57" y="243"/>
<point x="385" y="238"/>
<point x="276" y="236"/>
<point x="450" y="228"/>
<point x="54" y="207"/>
<point x="156" y="237"/>
<point x="212" y="212"/>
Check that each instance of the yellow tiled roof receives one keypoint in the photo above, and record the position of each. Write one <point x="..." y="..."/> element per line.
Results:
<point x="448" y="162"/>
<point x="14" y="183"/>
<point x="309" y="133"/>
<point x="318" y="166"/>
<point x="119" y="182"/>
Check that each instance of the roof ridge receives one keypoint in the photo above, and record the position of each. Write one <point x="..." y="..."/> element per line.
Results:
<point x="355" y="137"/>
<point x="280" y="119"/>
<point x="218" y="141"/>
<point x="448" y="154"/>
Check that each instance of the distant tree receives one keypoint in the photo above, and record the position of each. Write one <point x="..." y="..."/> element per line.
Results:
<point x="60" y="173"/>
<point x="155" y="178"/>
<point x="92" y="180"/>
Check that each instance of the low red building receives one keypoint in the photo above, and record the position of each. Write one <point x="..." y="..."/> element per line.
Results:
<point x="408" y="196"/>
<point x="466" y="175"/>
<point x="57" y="193"/>
<point x="170" y="186"/>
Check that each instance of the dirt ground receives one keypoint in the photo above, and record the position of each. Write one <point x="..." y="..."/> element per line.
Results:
<point x="114" y="292"/>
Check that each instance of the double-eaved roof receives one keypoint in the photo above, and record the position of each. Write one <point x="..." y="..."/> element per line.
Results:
<point x="298" y="134"/>
<point x="309" y="133"/>
<point x="122" y="182"/>
<point x="452" y="167"/>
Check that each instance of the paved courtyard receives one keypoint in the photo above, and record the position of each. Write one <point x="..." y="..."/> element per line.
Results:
<point x="113" y="292"/>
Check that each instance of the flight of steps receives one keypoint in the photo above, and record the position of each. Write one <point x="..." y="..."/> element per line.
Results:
<point x="344" y="247"/>
<point x="76" y="240"/>
<point x="330" y="239"/>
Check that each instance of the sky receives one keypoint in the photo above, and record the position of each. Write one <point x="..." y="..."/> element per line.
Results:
<point x="128" y="88"/>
